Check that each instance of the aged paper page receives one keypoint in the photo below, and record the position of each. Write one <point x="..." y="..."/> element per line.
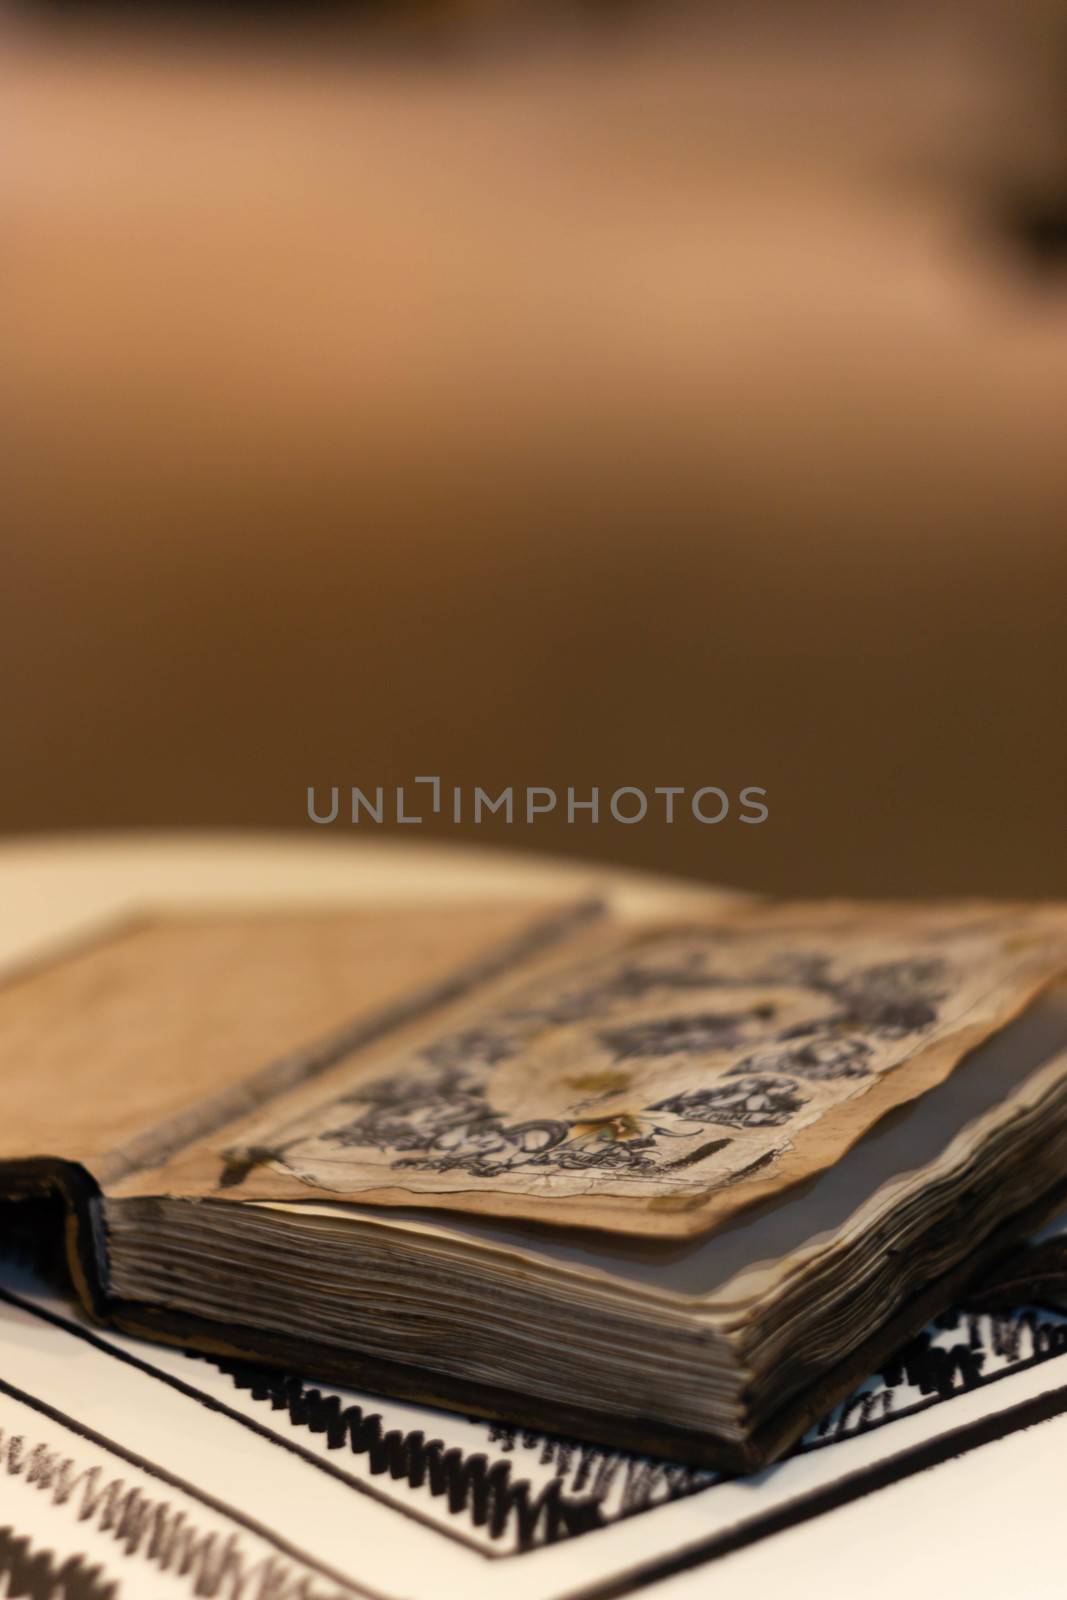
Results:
<point x="121" y="1050"/>
<point x="658" y="1085"/>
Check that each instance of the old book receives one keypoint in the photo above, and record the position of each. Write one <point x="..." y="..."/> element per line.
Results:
<point x="673" y="1182"/>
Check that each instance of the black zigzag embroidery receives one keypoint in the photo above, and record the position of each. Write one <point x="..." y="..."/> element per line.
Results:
<point x="470" y="1483"/>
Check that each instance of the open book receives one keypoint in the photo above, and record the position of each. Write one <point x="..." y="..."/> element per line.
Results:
<point x="671" y="1184"/>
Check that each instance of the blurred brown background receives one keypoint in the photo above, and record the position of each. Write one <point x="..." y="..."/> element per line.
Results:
<point x="644" y="396"/>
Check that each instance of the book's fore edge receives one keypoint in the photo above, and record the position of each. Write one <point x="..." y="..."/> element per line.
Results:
<point x="766" y="1443"/>
<point x="967" y="1282"/>
<point x="159" y="1144"/>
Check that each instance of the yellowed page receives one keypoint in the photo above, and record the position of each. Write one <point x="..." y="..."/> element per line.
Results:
<point x="115" y="1053"/>
<point x="654" y="1082"/>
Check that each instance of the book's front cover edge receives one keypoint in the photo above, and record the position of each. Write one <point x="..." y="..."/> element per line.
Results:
<point x="44" y="1177"/>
